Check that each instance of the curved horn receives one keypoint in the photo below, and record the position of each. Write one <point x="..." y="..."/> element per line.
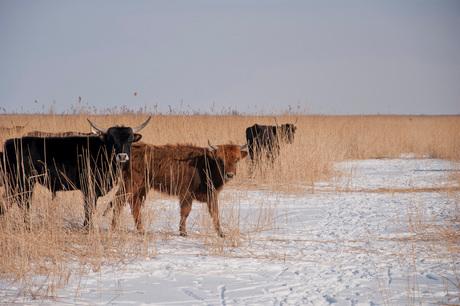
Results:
<point x="93" y="131"/>
<point x="276" y="122"/>
<point x="97" y="128"/>
<point x="243" y="147"/>
<point x="140" y="127"/>
<point x="212" y="147"/>
<point x="296" y="120"/>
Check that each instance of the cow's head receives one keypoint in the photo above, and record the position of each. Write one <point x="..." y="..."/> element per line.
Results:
<point x="228" y="156"/>
<point x="286" y="131"/>
<point x="119" y="139"/>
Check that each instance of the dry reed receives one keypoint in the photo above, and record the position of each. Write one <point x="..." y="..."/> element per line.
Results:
<point x="56" y="247"/>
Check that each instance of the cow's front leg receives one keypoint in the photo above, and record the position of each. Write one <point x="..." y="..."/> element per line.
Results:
<point x="137" y="200"/>
<point x="185" y="209"/>
<point x="213" y="208"/>
<point x="90" y="207"/>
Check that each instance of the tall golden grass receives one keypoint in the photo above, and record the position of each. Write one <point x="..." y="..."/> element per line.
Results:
<point x="319" y="142"/>
<point x="56" y="247"/>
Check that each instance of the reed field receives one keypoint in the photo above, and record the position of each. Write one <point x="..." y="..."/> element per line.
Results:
<point x="319" y="141"/>
<point x="56" y="247"/>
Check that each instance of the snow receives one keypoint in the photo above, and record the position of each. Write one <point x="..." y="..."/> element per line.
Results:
<point x="348" y="242"/>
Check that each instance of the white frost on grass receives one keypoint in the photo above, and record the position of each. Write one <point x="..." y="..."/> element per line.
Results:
<point x="330" y="247"/>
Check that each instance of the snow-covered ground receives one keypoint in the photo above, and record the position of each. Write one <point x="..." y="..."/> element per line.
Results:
<point x="348" y="242"/>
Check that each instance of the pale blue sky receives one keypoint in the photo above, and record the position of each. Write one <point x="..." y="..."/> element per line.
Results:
<point x="328" y="57"/>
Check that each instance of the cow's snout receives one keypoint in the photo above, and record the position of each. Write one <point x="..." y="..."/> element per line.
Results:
<point x="230" y="176"/>
<point x="122" y="157"/>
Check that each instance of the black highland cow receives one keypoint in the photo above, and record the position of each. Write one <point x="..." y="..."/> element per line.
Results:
<point x="86" y="163"/>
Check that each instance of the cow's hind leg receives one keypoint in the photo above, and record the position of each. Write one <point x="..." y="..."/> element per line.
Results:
<point x="18" y="195"/>
<point x="185" y="209"/>
<point x="90" y="207"/>
<point x="137" y="200"/>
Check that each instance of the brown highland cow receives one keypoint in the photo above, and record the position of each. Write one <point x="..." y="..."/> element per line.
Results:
<point x="186" y="171"/>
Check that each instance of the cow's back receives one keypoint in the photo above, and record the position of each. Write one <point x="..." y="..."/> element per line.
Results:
<point x="262" y="134"/>
<point x="57" y="134"/>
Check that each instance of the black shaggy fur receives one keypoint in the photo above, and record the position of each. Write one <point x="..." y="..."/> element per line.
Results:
<point x="267" y="138"/>
<point x="86" y="163"/>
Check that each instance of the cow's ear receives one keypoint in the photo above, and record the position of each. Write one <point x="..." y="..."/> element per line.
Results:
<point x="244" y="154"/>
<point x="137" y="137"/>
<point x="103" y="137"/>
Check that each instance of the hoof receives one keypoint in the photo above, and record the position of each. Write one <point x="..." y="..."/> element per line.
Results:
<point x="182" y="234"/>
<point x="222" y="235"/>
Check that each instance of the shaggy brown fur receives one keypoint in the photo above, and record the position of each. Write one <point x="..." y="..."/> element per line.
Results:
<point x="186" y="171"/>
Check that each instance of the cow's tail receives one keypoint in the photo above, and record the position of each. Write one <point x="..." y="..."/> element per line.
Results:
<point x="2" y="178"/>
<point x="2" y="167"/>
